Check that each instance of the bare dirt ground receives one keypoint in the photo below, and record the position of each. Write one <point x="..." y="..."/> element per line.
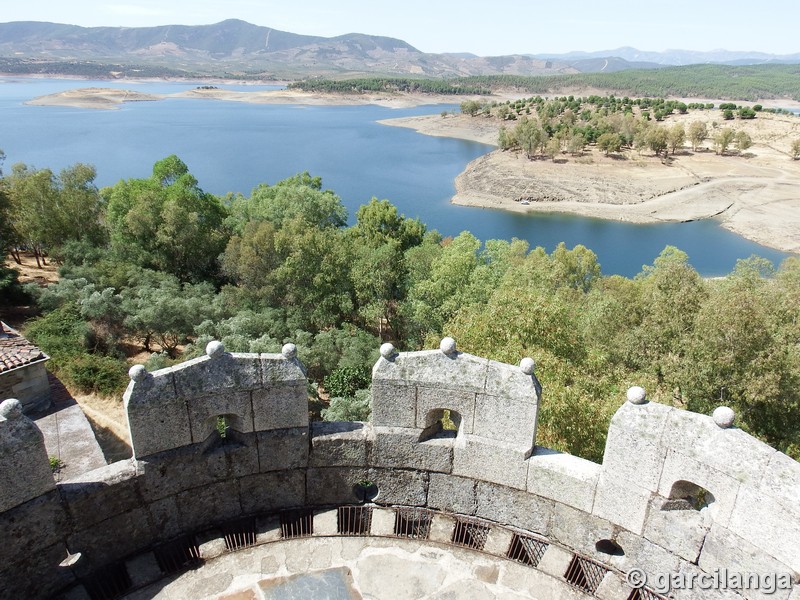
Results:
<point x="755" y="194"/>
<point x="30" y="273"/>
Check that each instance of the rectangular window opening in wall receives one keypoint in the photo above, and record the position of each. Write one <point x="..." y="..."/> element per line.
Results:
<point x="585" y="574"/>
<point x="470" y="533"/>
<point x="108" y="583"/>
<point x="412" y="523"/>
<point x="354" y="520"/>
<point x="645" y="594"/>
<point x="239" y="534"/>
<point x="178" y="555"/>
<point x="297" y="523"/>
<point x="526" y="549"/>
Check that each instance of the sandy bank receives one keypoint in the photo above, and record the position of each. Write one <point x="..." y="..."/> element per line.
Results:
<point x="109" y="99"/>
<point x="97" y="98"/>
<point x="452" y="126"/>
<point x="756" y="195"/>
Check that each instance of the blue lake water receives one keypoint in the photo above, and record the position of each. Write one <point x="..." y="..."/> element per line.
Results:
<point x="232" y="147"/>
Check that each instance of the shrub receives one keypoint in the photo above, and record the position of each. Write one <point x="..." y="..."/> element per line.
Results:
<point x="344" y="382"/>
<point x="91" y="373"/>
<point x="356" y="408"/>
<point x="11" y="291"/>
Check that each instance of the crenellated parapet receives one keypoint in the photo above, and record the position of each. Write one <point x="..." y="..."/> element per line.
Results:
<point x="189" y="403"/>
<point x="24" y="466"/>
<point x="223" y="444"/>
<point x="490" y="409"/>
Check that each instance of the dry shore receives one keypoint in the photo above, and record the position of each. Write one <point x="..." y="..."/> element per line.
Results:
<point x="111" y="99"/>
<point x="756" y="194"/>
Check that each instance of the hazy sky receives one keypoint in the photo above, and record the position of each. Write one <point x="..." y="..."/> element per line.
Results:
<point x="484" y="28"/>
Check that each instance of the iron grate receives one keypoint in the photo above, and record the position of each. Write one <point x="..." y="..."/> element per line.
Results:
<point x="585" y="574"/>
<point x="177" y="555"/>
<point x="297" y="523"/>
<point x="645" y="594"/>
<point x="414" y="523"/>
<point x="526" y="550"/>
<point x="470" y="533"/>
<point x="354" y="520"/>
<point x="108" y="583"/>
<point x="239" y="534"/>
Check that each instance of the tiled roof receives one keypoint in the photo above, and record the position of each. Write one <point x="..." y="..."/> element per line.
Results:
<point x="15" y="350"/>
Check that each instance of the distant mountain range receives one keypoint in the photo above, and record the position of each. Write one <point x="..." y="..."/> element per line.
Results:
<point x="677" y="57"/>
<point x="237" y="48"/>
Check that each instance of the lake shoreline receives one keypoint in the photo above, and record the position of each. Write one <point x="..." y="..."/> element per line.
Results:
<point x="751" y="196"/>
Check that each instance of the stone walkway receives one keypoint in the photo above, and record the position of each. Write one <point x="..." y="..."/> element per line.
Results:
<point x="68" y="435"/>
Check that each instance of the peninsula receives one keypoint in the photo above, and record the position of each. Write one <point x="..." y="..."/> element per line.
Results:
<point x="754" y="193"/>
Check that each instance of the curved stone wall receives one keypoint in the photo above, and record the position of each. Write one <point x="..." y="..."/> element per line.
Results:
<point x="227" y="437"/>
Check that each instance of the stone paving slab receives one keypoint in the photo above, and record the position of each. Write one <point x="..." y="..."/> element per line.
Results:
<point x="68" y="435"/>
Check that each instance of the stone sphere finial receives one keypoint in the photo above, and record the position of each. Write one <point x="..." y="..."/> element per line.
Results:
<point x="723" y="416"/>
<point x="289" y="351"/>
<point x="527" y="365"/>
<point x="637" y="395"/>
<point x="137" y="372"/>
<point x="11" y="408"/>
<point x="215" y="349"/>
<point x="448" y="346"/>
<point x="387" y="351"/>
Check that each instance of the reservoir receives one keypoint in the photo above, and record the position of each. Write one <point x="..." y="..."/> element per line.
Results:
<point x="232" y="147"/>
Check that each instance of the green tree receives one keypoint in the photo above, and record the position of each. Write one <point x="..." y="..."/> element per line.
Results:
<point x="746" y="113"/>
<point x="743" y="141"/>
<point x="250" y="258"/>
<point x="576" y="144"/>
<point x="379" y="222"/>
<point x="167" y="223"/>
<point x="795" y="149"/>
<point x="433" y="300"/>
<point x="471" y="107"/>
<point x="676" y="137"/>
<point x="6" y="230"/>
<point x="698" y="133"/>
<point x="609" y="142"/>
<point x="300" y="196"/>
<point x="723" y="139"/>
<point x="553" y="148"/>
<point x="532" y="138"/>
<point x="657" y="140"/>
<point x="47" y="211"/>
<point x="167" y="314"/>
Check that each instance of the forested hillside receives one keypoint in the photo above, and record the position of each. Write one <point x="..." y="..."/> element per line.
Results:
<point x="157" y="264"/>
<point x="693" y="81"/>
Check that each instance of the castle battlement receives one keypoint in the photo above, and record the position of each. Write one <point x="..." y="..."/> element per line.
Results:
<point x="225" y="439"/>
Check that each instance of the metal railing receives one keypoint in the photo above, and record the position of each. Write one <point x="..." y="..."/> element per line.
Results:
<point x="415" y="523"/>
<point x="585" y="574"/>
<point x="527" y="550"/>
